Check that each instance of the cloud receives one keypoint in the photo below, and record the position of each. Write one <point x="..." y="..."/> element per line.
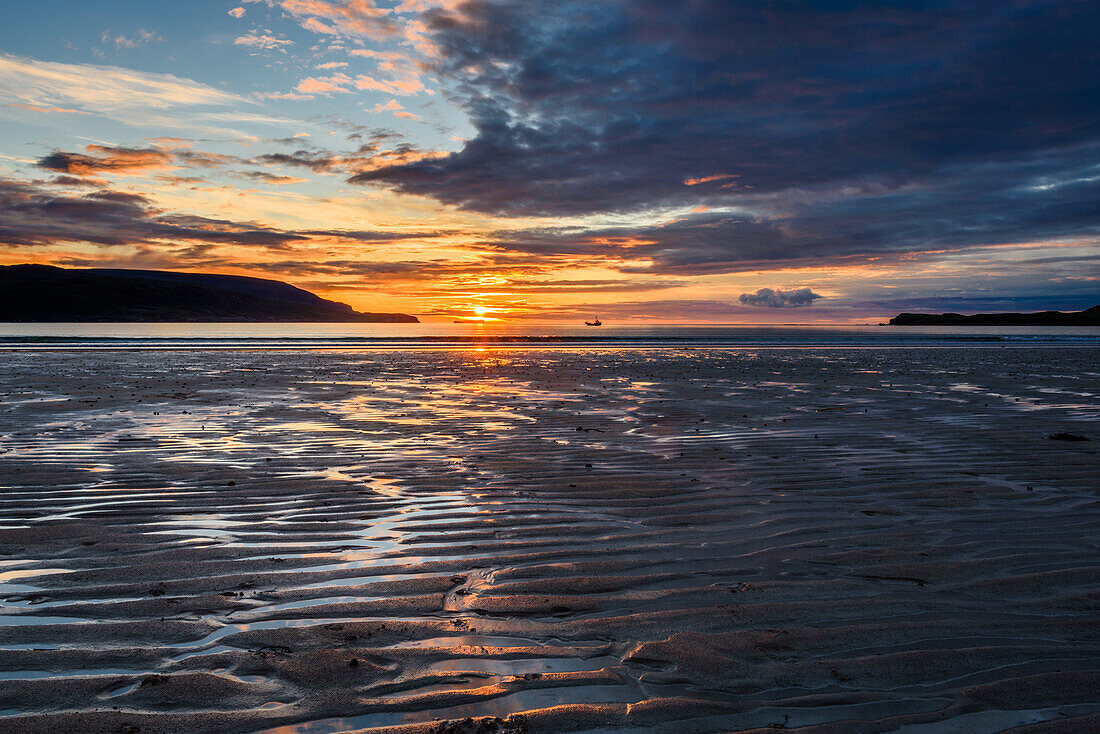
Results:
<point x="392" y="106"/>
<point x="403" y="86"/>
<point x="397" y="72"/>
<point x="46" y="110"/>
<point x="335" y="84"/>
<point x="779" y="298"/>
<point x="356" y="19"/>
<point x="368" y="156"/>
<point x="404" y="80"/>
<point x="685" y="310"/>
<point x="123" y="94"/>
<point x="237" y="12"/>
<point x="271" y="178"/>
<point x="141" y="38"/>
<point x="709" y="179"/>
<point x="105" y="159"/>
<point x="395" y="107"/>
<point x="32" y="215"/>
<point x="264" y="40"/>
<point x="1047" y="198"/>
<point x="828" y="131"/>
<point x="102" y="160"/>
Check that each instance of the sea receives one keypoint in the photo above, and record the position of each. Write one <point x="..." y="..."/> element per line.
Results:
<point x="298" y="336"/>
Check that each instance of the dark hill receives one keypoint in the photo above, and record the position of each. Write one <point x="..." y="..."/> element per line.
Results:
<point x="1090" y="317"/>
<point x="44" y="293"/>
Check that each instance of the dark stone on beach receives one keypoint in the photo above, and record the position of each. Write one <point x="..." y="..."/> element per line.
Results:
<point x="1066" y="437"/>
<point x="514" y="724"/>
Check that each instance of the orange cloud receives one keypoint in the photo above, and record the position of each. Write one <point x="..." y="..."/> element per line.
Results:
<point x="394" y="107"/>
<point x="105" y="159"/>
<point x="708" y="179"/>
<point x="403" y="72"/>
<point x="351" y="18"/>
<point x="48" y="110"/>
<point x="392" y="86"/>
<point x="337" y="83"/>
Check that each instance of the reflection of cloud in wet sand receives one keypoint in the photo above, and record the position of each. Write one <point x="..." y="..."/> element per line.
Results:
<point x="314" y="542"/>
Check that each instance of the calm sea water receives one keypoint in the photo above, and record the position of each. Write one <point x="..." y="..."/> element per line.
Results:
<point x="348" y="336"/>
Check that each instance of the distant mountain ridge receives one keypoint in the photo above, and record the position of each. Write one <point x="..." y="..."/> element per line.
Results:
<point x="44" y="293"/>
<point x="1088" y="317"/>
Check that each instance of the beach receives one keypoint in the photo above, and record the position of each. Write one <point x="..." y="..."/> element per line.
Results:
<point x="550" y="539"/>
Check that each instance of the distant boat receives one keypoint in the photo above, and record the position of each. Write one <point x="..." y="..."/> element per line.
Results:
<point x="594" y="323"/>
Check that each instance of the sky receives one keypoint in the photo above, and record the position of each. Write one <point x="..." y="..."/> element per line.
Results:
<point x="703" y="161"/>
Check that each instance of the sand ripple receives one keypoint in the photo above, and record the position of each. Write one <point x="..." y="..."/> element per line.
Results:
<point x="550" y="540"/>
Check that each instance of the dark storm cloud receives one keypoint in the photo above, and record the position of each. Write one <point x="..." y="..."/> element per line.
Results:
<point x="585" y="106"/>
<point x="32" y="215"/>
<point x="1047" y="197"/>
<point x="779" y="298"/>
<point x="619" y="105"/>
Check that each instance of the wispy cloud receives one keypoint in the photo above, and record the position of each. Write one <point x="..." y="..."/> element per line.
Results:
<point x="263" y="40"/>
<point x="122" y="94"/>
<point x="359" y="19"/>
<point x="47" y="110"/>
<point x="335" y="84"/>
<point x="141" y="38"/>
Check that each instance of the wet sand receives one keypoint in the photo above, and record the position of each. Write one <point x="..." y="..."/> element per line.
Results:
<point x="550" y="540"/>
